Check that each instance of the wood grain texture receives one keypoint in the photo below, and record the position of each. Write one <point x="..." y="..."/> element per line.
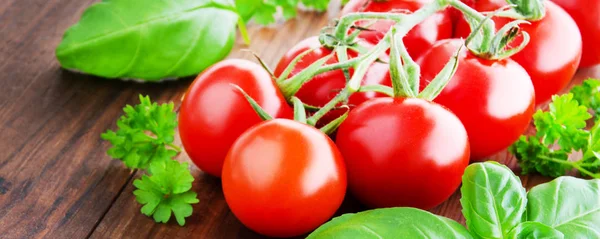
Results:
<point x="56" y="180"/>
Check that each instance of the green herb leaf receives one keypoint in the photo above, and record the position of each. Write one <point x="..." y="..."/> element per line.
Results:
<point x="166" y="190"/>
<point x="533" y="230"/>
<point x="149" y="40"/>
<point x="594" y="143"/>
<point x="564" y="123"/>
<point x="591" y="156"/>
<point x="588" y="95"/>
<point x="247" y="8"/>
<point x="264" y="11"/>
<point x="144" y="133"/>
<point x="391" y="223"/>
<point x="564" y="126"/>
<point x="567" y="204"/>
<point x="534" y="157"/>
<point x="493" y="200"/>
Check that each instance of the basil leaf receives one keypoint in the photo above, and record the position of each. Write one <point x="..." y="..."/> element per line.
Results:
<point x="149" y="40"/>
<point x="391" y="223"/>
<point x="534" y="230"/>
<point x="567" y="204"/>
<point x="493" y="200"/>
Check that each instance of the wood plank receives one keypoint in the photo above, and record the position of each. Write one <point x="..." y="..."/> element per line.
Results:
<point x="55" y="178"/>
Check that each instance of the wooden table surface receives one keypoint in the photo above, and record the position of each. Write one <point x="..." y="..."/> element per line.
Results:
<point x="56" y="180"/>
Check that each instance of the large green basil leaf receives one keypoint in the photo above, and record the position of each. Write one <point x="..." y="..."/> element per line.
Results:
<point x="149" y="40"/>
<point x="391" y="223"/>
<point x="534" y="230"/>
<point x="569" y="205"/>
<point x="493" y="200"/>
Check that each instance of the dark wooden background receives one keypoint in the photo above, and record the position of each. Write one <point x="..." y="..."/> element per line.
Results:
<point x="56" y="180"/>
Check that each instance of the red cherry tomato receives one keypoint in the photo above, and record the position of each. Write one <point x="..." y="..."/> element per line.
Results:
<point x="324" y="87"/>
<point x="403" y="152"/>
<point x="493" y="99"/>
<point x="282" y="178"/>
<point x="420" y="38"/>
<point x="213" y="113"/>
<point x="586" y="14"/>
<point x="552" y="56"/>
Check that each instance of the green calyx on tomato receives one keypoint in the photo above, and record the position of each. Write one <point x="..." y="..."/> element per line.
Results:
<point x="405" y="72"/>
<point x="299" y="113"/>
<point x="484" y="41"/>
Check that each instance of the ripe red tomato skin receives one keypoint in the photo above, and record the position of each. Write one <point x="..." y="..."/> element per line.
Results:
<point x="213" y="113"/>
<point x="283" y="178"/>
<point x="403" y="152"/>
<point x="553" y="54"/>
<point x="586" y="14"/>
<point x="493" y="99"/>
<point x="324" y="87"/>
<point x="420" y="38"/>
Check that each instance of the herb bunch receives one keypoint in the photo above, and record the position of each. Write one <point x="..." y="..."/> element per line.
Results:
<point x="562" y="132"/>
<point x="144" y="141"/>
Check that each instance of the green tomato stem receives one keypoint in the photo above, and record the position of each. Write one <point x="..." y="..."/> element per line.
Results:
<point x="404" y="23"/>
<point x="400" y="80"/>
<point x="532" y="10"/>
<point x="488" y="25"/>
<point x="575" y="165"/>
<point x="346" y="21"/>
<point x="440" y="81"/>
<point x="291" y="86"/>
<point x="386" y="90"/>
<point x="299" y="110"/>
<point x="175" y="147"/>
<point x="342" y="54"/>
<point x="465" y="9"/>
<point x="288" y="70"/>
<point x="343" y="95"/>
<point x="335" y="124"/>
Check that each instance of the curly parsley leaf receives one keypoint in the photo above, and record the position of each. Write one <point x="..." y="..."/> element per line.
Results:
<point x="533" y="156"/>
<point x="264" y="11"/>
<point x="166" y="190"/>
<point x="588" y="95"/>
<point x="564" y="123"/>
<point x="591" y="156"/>
<point x="560" y="132"/>
<point x="146" y="133"/>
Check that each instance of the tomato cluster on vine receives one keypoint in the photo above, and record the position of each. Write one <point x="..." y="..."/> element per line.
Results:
<point x="409" y="102"/>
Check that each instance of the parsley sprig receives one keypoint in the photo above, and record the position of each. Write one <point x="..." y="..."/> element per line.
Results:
<point x="561" y="131"/>
<point x="144" y="140"/>
<point x="588" y="95"/>
<point x="145" y="134"/>
<point x="166" y="190"/>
